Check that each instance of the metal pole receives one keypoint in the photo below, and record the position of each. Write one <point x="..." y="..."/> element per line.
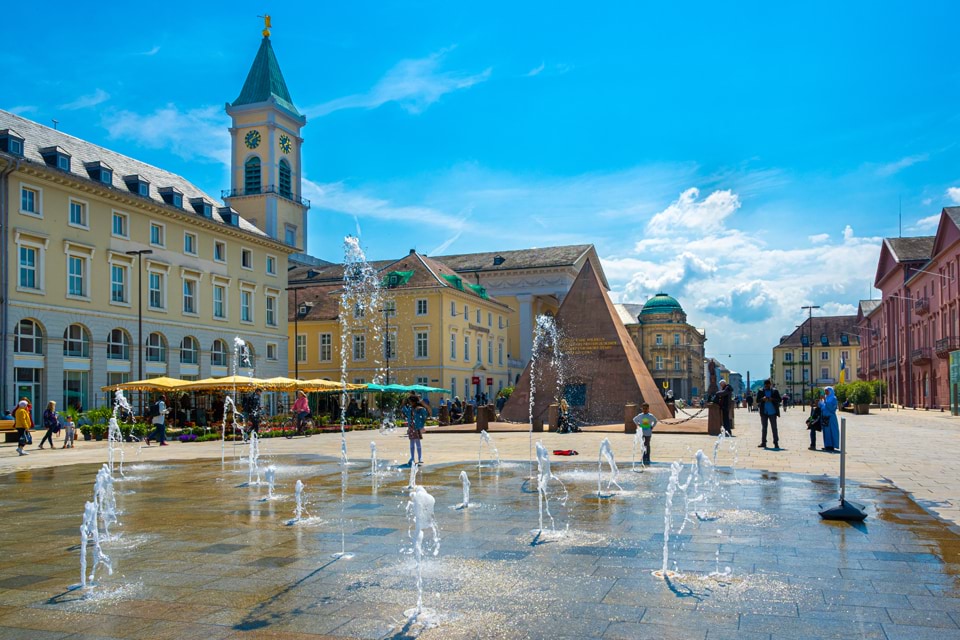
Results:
<point x="140" y="253"/>
<point x="296" y="334"/>
<point x="843" y="459"/>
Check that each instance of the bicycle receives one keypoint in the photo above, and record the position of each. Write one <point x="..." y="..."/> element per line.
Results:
<point x="290" y="427"/>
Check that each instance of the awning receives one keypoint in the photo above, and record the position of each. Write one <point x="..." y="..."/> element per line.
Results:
<point x="162" y="383"/>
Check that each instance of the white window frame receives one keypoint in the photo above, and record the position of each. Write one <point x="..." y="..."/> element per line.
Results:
<point x="114" y="215"/>
<point x="163" y="270"/>
<point x="217" y="244"/>
<point x="500" y="321"/>
<point x="224" y="285"/>
<point x="453" y="345"/>
<point x="300" y="348"/>
<point x="84" y="207"/>
<point x="161" y="233"/>
<point x="326" y="347"/>
<point x="659" y="363"/>
<point x="273" y="350"/>
<point x="359" y="347"/>
<point x="246" y="253"/>
<point x="500" y="352"/>
<point x="37" y="200"/>
<point x="188" y="275"/>
<point x="196" y="352"/>
<point x="196" y="244"/>
<point x="824" y="355"/>
<point x="659" y="339"/>
<point x="287" y="229"/>
<point x="390" y="346"/>
<point x="453" y="309"/>
<point x="271" y="265"/>
<point x="466" y="348"/>
<point x="479" y="349"/>
<point x="31" y="269"/>
<point x="39" y="243"/>
<point x="677" y="365"/>
<point x="125" y="262"/>
<point x="788" y="375"/>
<point x="84" y="253"/>
<point x="271" y="295"/>
<point x="421" y="337"/>
<point x="489" y="318"/>
<point x="251" y="290"/>
<point x="489" y="350"/>
<point x="421" y="302"/>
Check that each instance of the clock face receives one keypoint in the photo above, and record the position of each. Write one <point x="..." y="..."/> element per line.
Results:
<point x="285" y="145"/>
<point x="252" y="139"/>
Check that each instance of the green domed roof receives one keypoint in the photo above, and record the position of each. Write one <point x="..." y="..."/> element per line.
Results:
<point x="661" y="303"/>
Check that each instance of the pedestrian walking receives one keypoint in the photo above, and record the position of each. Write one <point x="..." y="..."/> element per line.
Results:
<point x="645" y="421"/>
<point x="22" y="423"/>
<point x="69" y="434"/>
<point x="416" y="417"/>
<point x="831" y="425"/>
<point x="724" y="398"/>
<point x="51" y="422"/>
<point x="159" y="422"/>
<point x="814" y="423"/>
<point x="768" y="400"/>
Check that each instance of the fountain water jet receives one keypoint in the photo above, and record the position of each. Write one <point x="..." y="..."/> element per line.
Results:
<point x="638" y="442"/>
<point x="545" y="335"/>
<point x="465" y="481"/>
<point x="420" y="513"/>
<point x="486" y="439"/>
<point x="253" y="460"/>
<point x="298" y="495"/>
<point x="544" y="475"/>
<point x="606" y="453"/>
<point x="271" y="476"/>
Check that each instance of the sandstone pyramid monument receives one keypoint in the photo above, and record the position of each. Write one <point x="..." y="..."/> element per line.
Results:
<point x="600" y="367"/>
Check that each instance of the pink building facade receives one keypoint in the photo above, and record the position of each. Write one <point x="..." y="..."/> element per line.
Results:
<point x="907" y="337"/>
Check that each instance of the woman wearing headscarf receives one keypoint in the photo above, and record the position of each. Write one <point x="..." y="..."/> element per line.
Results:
<point x="831" y="425"/>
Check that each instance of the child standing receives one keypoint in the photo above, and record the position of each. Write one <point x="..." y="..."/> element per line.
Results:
<point x="70" y="432"/>
<point x="646" y="421"/>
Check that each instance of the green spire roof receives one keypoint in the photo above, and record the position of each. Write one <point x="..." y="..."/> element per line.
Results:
<point x="265" y="80"/>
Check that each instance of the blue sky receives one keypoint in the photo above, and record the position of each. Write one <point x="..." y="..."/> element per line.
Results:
<point x="746" y="160"/>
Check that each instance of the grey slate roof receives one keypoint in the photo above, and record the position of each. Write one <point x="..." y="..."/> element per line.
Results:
<point x="910" y="249"/>
<point x="833" y="326"/>
<point x="954" y="213"/>
<point x="628" y="312"/>
<point x="37" y="136"/>
<point x="868" y="306"/>
<point x="518" y="259"/>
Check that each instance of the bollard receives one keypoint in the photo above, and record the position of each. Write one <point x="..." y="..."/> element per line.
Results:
<point x="483" y="419"/>
<point x="553" y="416"/>
<point x="468" y="413"/>
<point x="714" y="421"/>
<point x="673" y="409"/>
<point x="444" y="415"/>
<point x="630" y="411"/>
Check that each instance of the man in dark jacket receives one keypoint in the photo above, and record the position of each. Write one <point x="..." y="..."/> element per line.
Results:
<point x="768" y="403"/>
<point x="724" y="400"/>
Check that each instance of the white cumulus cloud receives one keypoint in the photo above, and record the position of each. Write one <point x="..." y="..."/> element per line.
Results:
<point x="85" y="102"/>
<point x="689" y="212"/>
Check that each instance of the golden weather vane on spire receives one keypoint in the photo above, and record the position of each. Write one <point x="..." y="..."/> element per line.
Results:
<point x="266" y="25"/>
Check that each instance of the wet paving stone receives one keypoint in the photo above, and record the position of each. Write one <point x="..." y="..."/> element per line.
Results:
<point x="212" y="558"/>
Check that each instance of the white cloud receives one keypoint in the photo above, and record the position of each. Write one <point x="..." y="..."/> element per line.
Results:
<point x="926" y="224"/>
<point x="901" y="164"/>
<point x="152" y="52"/>
<point x="687" y="212"/>
<point x="954" y="194"/>
<point x="338" y="197"/>
<point x="414" y="84"/>
<point x="536" y="70"/>
<point x="85" y="102"/>
<point x="197" y="133"/>
<point x="22" y="109"/>
<point x="818" y="238"/>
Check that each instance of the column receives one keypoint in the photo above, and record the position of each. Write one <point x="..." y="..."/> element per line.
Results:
<point x="526" y="326"/>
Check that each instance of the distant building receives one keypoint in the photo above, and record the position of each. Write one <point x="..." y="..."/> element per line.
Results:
<point x="672" y="349"/>
<point x="811" y="356"/>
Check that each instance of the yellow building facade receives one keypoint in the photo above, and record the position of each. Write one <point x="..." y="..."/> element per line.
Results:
<point x="432" y="328"/>
<point x="811" y="356"/>
<point x="114" y="269"/>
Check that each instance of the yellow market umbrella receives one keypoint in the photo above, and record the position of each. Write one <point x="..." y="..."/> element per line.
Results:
<point x="162" y="383"/>
<point x="245" y="383"/>
<point x="319" y="384"/>
<point x="279" y="384"/>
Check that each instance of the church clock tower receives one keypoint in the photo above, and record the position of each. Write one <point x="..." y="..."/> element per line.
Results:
<point x="266" y="166"/>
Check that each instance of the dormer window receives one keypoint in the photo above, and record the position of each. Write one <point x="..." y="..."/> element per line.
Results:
<point x="56" y="157"/>
<point x="171" y="196"/>
<point x="844" y="340"/>
<point x="99" y="171"/>
<point x="823" y="339"/>
<point x="805" y="341"/>
<point x="498" y="260"/>
<point x="229" y="216"/>
<point x="11" y="142"/>
<point x="202" y="207"/>
<point x="137" y="185"/>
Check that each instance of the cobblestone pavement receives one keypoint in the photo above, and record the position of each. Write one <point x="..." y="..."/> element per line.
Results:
<point x="917" y="451"/>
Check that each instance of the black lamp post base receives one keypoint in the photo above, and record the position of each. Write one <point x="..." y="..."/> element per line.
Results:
<point x="846" y="510"/>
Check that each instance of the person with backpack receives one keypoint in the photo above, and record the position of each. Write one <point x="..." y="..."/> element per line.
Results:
<point x="159" y="413"/>
<point x="51" y="422"/>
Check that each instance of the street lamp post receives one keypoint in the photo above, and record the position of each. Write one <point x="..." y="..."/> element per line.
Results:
<point x="296" y="330"/>
<point x="140" y="253"/>
<point x="803" y="386"/>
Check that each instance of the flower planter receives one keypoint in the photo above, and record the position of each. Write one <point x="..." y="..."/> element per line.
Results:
<point x="861" y="409"/>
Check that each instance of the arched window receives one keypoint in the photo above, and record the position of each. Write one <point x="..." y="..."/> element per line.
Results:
<point x="28" y="338"/>
<point x="285" y="182"/>
<point x="245" y="356"/>
<point x="251" y="175"/>
<point x="189" y="351"/>
<point x="156" y="348"/>
<point x="118" y="345"/>
<point x="218" y="354"/>
<point x="76" y="342"/>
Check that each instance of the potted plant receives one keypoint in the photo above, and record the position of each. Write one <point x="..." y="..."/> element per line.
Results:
<point x="861" y="395"/>
<point x="99" y="430"/>
<point x="86" y="430"/>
